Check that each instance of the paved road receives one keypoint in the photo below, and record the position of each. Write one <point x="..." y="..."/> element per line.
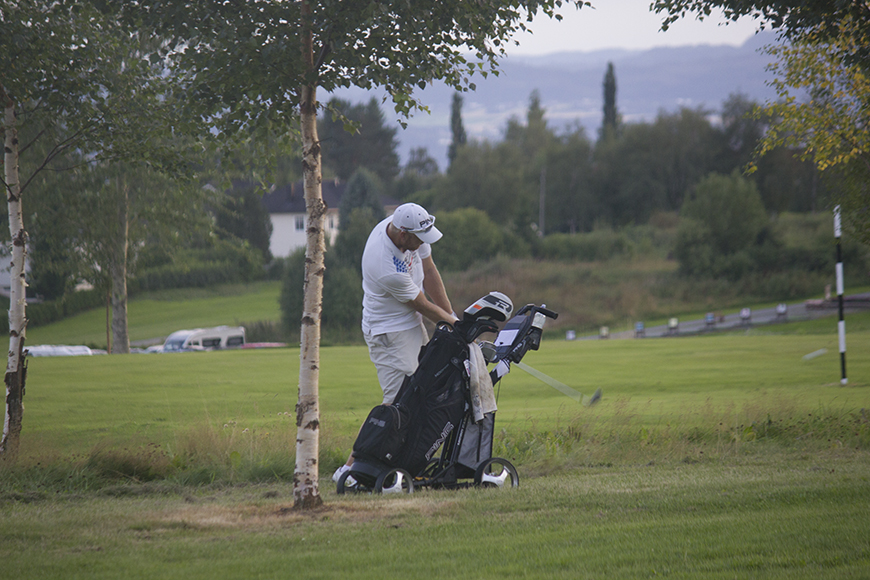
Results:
<point x="796" y="311"/>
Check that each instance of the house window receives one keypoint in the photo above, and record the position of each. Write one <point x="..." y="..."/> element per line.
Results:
<point x="332" y="222"/>
<point x="300" y="223"/>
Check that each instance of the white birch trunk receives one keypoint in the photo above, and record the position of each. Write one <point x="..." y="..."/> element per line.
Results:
<point x="120" y="337"/>
<point x="15" y="364"/>
<point x="306" y="492"/>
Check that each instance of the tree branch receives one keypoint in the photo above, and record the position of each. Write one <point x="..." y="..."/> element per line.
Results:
<point x="58" y="149"/>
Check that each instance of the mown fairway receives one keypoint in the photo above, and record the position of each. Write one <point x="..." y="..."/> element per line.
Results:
<point x="723" y="456"/>
<point x="74" y="404"/>
<point x="803" y="518"/>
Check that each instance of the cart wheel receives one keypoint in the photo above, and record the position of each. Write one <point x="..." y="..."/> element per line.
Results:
<point x="496" y="472"/>
<point x="394" y="481"/>
<point x="347" y="484"/>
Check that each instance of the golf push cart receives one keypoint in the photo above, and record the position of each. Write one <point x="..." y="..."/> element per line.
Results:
<point x="448" y="404"/>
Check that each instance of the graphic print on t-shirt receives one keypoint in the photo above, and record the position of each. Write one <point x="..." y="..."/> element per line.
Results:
<point x="402" y="266"/>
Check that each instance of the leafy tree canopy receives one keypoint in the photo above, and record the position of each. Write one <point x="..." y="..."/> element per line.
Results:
<point x="370" y="143"/>
<point x="469" y="237"/>
<point x="363" y="190"/>
<point x="457" y="129"/>
<point x="793" y="17"/>
<point x="78" y="83"/>
<point x="241" y="69"/>
<point x="830" y="126"/>
<point x="242" y="216"/>
<point x="721" y="227"/>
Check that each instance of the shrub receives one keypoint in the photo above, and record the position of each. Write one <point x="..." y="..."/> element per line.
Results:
<point x="469" y="236"/>
<point x="722" y="228"/>
<point x="342" y="297"/>
<point x="590" y="247"/>
<point x="39" y="314"/>
<point x="352" y="237"/>
<point x="223" y="262"/>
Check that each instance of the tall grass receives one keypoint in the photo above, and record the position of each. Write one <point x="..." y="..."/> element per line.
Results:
<point x="757" y="429"/>
<point x="227" y="417"/>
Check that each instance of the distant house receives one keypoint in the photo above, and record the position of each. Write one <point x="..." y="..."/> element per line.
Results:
<point x="286" y="207"/>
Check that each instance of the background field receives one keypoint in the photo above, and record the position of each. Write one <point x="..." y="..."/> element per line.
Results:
<point x="720" y="456"/>
<point x="75" y="404"/>
<point x="155" y="315"/>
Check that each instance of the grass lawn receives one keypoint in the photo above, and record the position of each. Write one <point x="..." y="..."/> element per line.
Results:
<point x="773" y="517"/>
<point x="74" y="404"/>
<point x="721" y="456"/>
<point x="153" y="316"/>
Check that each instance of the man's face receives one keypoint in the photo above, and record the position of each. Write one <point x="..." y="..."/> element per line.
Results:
<point x="412" y="242"/>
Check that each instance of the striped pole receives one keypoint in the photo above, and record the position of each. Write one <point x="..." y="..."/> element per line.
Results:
<point x="841" y="325"/>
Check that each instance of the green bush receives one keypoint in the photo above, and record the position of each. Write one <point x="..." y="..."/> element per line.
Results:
<point x="224" y="262"/>
<point x="594" y="246"/>
<point x="42" y="313"/>
<point x="342" y="298"/>
<point x="722" y="227"/>
<point x="469" y="236"/>
<point x="352" y="237"/>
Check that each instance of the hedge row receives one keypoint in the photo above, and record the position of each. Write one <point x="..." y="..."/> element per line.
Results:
<point x="195" y="275"/>
<point x="42" y="313"/>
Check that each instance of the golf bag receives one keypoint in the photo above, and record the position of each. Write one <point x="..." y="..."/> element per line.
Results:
<point x="433" y="409"/>
<point x="428" y="407"/>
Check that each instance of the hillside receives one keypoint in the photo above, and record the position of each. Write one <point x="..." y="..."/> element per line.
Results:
<point x="570" y="87"/>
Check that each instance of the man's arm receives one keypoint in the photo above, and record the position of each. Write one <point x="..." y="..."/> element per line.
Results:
<point x="434" y="286"/>
<point x="431" y="310"/>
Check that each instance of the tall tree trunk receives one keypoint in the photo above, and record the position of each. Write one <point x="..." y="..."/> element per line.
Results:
<point x="121" y="339"/>
<point x="16" y="368"/>
<point x="306" y="493"/>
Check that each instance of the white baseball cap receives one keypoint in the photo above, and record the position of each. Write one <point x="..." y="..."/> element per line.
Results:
<point x="412" y="218"/>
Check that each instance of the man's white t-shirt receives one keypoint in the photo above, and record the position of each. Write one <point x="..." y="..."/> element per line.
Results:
<point x="391" y="278"/>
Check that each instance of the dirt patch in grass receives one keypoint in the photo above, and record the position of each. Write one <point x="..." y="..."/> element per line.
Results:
<point x="281" y="514"/>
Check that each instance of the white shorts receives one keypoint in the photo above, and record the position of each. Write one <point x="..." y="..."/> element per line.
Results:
<point x="395" y="357"/>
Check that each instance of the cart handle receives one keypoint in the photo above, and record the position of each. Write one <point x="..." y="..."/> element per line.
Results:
<point x="534" y="309"/>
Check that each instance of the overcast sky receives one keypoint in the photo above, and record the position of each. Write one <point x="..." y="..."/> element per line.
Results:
<point x="625" y="24"/>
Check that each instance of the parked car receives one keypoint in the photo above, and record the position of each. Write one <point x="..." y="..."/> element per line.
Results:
<point x="205" y="339"/>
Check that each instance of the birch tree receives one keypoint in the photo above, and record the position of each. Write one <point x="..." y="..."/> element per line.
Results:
<point x="256" y="68"/>
<point x="122" y="208"/>
<point x="65" y="79"/>
<point x="792" y="18"/>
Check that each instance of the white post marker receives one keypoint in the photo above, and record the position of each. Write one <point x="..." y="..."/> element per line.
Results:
<point x="841" y="325"/>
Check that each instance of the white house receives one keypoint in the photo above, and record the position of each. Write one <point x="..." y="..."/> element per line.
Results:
<point x="286" y="207"/>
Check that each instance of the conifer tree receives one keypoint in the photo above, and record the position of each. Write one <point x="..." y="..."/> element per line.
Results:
<point x="456" y="128"/>
<point x="610" y="124"/>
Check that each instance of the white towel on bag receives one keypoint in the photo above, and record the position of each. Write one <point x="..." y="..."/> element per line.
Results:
<point x="480" y="384"/>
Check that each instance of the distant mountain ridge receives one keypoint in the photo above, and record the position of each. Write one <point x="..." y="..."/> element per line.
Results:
<point x="570" y="88"/>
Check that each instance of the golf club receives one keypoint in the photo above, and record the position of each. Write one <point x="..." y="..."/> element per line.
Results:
<point x="561" y="387"/>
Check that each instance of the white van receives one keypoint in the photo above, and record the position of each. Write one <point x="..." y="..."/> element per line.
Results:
<point x="205" y="339"/>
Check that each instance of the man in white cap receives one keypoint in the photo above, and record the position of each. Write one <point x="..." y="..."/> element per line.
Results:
<point x="398" y="273"/>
